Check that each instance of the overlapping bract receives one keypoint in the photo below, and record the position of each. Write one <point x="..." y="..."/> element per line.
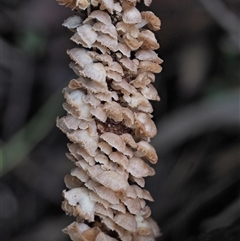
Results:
<point x="109" y="121"/>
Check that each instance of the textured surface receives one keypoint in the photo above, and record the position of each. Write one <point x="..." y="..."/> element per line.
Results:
<point x="108" y="105"/>
<point x="196" y="185"/>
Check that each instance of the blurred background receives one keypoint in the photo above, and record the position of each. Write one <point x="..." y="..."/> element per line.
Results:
<point x="197" y="182"/>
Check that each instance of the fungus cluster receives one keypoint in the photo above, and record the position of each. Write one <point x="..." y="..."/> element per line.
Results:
<point x="109" y="121"/>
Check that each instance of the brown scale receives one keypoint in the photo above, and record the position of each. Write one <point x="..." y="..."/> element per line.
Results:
<point x="119" y="93"/>
<point x="114" y="57"/>
<point x="112" y="126"/>
<point x="103" y="228"/>
<point x="123" y="104"/>
<point x="128" y="78"/>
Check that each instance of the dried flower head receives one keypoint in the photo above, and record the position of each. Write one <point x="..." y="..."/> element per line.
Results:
<point x="109" y="121"/>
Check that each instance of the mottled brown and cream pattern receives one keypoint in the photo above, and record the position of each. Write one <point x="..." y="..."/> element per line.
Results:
<point x="109" y="121"/>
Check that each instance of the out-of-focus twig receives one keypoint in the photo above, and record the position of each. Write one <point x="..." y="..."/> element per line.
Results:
<point x="19" y="81"/>
<point x="225" y="18"/>
<point x="197" y="118"/>
<point x="19" y="146"/>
